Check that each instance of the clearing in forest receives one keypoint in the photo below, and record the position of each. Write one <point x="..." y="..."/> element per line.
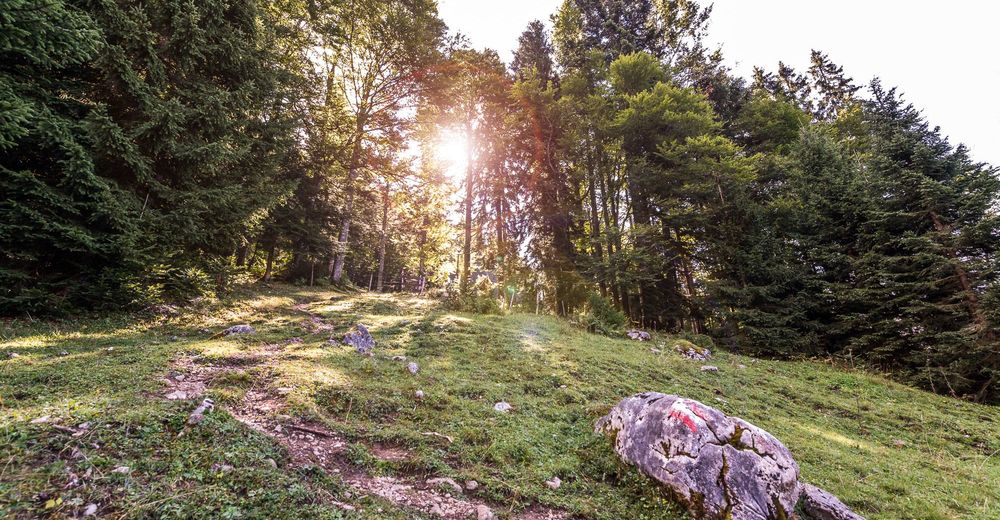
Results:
<point x="305" y="427"/>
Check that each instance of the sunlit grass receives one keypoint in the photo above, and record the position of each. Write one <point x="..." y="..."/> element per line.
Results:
<point x="886" y="449"/>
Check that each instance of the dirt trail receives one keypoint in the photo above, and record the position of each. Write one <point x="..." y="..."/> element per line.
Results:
<point x="312" y="444"/>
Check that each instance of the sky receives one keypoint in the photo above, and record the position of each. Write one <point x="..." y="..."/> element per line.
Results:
<point x="941" y="55"/>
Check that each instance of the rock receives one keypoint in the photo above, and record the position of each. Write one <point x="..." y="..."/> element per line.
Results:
<point x="820" y="505"/>
<point x="691" y="351"/>
<point x="741" y="366"/>
<point x="447" y="481"/>
<point x="553" y="483"/>
<point x="399" y="358"/>
<point x="271" y="462"/>
<point x="239" y="329"/>
<point x="655" y="350"/>
<point x="899" y="443"/>
<point x="413" y="368"/>
<point x="419" y="394"/>
<point x="503" y="407"/>
<point x="90" y="510"/>
<point x="438" y="511"/>
<point x="284" y="390"/>
<point x="13" y="355"/>
<point x="717" y="466"/>
<point x="638" y="335"/>
<point x="360" y="339"/>
<point x="471" y="485"/>
<point x="63" y="353"/>
<point x="709" y="368"/>
<point x="198" y="415"/>
<point x="483" y="513"/>
<point x="124" y="470"/>
<point x="41" y="420"/>
<point x="221" y="468"/>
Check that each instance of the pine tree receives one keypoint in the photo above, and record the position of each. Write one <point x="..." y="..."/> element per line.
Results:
<point x="61" y="223"/>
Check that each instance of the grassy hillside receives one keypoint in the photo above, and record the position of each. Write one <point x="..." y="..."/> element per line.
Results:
<point x="885" y="449"/>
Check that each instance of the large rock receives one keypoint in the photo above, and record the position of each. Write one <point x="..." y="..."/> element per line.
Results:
<point x="718" y="466"/>
<point x="638" y="335"/>
<point x="360" y="339"/>
<point x="820" y="505"/>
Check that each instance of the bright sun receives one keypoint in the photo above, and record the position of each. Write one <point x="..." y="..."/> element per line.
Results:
<point x="451" y="149"/>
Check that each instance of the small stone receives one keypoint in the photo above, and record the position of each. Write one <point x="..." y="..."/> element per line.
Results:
<point x="638" y="335"/>
<point x="90" y="510"/>
<point x="899" y="443"/>
<point x="284" y="390"/>
<point x="399" y="358"/>
<point x="503" y="407"/>
<point x="271" y="462"/>
<point x="741" y="366"/>
<point x="63" y="353"/>
<point x="175" y="338"/>
<point x="436" y="510"/>
<point x="655" y="350"/>
<point x="110" y="349"/>
<point x="124" y="470"/>
<point x="471" y="485"/>
<point x="13" y="355"/>
<point x="562" y="386"/>
<point x="447" y="481"/>
<point x="553" y="483"/>
<point x="221" y="468"/>
<point x="419" y="394"/>
<point x="483" y="513"/>
<point x="360" y="339"/>
<point x="413" y="368"/>
<point x="41" y="420"/>
<point x="239" y="329"/>
<point x="709" y="368"/>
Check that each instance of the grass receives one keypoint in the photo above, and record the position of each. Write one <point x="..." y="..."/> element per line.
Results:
<point x="887" y="450"/>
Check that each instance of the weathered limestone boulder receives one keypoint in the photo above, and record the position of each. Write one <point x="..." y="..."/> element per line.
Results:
<point x="360" y="339"/>
<point x="820" y="505"/>
<point x="718" y="466"/>
<point x="638" y="335"/>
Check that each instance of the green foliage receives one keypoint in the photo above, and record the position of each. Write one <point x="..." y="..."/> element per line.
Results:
<point x="602" y="316"/>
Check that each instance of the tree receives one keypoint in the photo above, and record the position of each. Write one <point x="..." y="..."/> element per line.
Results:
<point x="381" y="68"/>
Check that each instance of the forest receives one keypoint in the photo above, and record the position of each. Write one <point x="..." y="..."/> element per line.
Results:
<point x="616" y="173"/>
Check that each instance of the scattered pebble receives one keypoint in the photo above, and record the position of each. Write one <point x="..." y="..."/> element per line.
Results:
<point x="709" y="368"/>
<point x="41" y="420"/>
<point x="419" y="394"/>
<point x="272" y="463"/>
<point x="284" y="390"/>
<point x="221" y="468"/>
<point x="124" y="470"/>
<point x="503" y="407"/>
<point x="90" y="510"/>
<point x="399" y="358"/>
<point x="413" y="368"/>
<point x="483" y="513"/>
<point x="239" y="329"/>
<point x="13" y="355"/>
<point x="447" y="481"/>
<point x="655" y="350"/>
<point x="554" y="483"/>
<point x="741" y="366"/>
<point x="471" y="485"/>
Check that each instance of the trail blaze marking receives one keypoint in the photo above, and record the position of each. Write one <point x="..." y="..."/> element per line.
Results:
<point x="685" y="413"/>
<point x="677" y="414"/>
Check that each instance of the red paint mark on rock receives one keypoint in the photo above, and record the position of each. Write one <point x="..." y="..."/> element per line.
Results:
<point x="677" y="414"/>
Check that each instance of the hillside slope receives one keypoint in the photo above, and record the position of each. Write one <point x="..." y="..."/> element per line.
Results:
<point x="304" y="428"/>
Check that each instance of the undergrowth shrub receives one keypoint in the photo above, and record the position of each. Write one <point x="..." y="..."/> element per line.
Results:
<point x="602" y="316"/>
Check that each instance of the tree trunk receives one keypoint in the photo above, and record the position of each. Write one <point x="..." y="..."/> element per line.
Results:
<point x="467" y="248"/>
<point x="337" y="269"/>
<point x="270" y="263"/>
<point x="382" y="239"/>
<point x="421" y="274"/>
